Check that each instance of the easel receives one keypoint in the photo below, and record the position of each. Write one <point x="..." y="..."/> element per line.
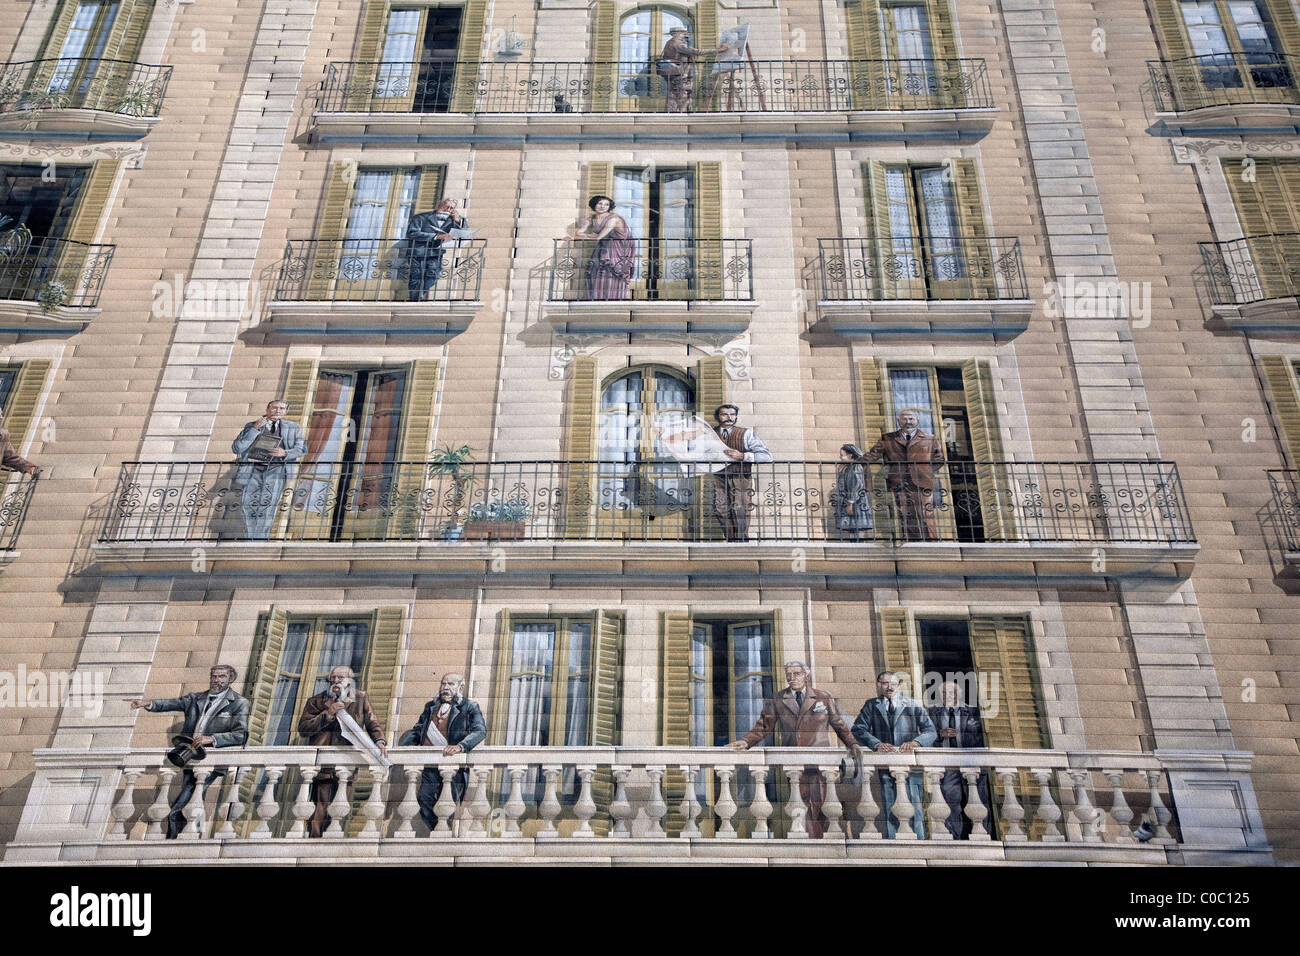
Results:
<point x="731" y="87"/>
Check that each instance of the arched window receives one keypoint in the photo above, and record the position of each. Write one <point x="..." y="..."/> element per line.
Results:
<point x="642" y="34"/>
<point x="637" y="474"/>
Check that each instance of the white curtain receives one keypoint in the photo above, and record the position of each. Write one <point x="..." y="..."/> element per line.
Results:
<point x="343" y="644"/>
<point x="910" y="388"/>
<point x="941" y="224"/>
<point x="399" y="53"/>
<point x="577" y="717"/>
<point x="912" y="28"/>
<point x="529" y="709"/>
<point x="751" y="668"/>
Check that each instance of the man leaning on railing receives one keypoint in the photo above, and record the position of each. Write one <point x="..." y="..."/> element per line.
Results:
<point x="10" y="458"/>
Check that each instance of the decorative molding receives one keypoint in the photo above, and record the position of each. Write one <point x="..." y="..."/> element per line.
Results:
<point x="1189" y="151"/>
<point x="567" y="346"/>
<point x="133" y="153"/>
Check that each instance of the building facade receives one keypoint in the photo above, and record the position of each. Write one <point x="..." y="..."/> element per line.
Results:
<point x="1058" y="234"/>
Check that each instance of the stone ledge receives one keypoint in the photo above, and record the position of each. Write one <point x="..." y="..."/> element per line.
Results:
<point x="439" y="319"/>
<point x="865" y="320"/>
<point x="1275" y="119"/>
<point x="22" y="317"/>
<point x="65" y="123"/>
<point x="1269" y="316"/>
<point x="715" y="321"/>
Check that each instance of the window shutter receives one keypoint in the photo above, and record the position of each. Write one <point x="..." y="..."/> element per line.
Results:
<point x="866" y="53"/>
<point x="875" y="189"/>
<point x="299" y="387"/>
<point x="675" y="706"/>
<point x="380" y="678"/>
<point x="332" y="227"/>
<point x="370" y="44"/>
<point x="1001" y="645"/>
<point x="580" y="499"/>
<point x="710" y="386"/>
<point x="896" y="646"/>
<point x="943" y="47"/>
<point x="1282" y="13"/>
<point x="600" y="182"/>
<point x="60" y="25"/>
<point x="417" y="433"/>
<point x="709" y="249"/>
<point x="499" y="718"/>
<point x="978" y="255"/>
<point x="1172" y="30"/>
<point x="996" y="499"/>
<point x="469" y="54"/>
<point x="1285" y="399"/>
<point x="871" y="401"/>
<point x="263" y="669"/>
<point x="128" y="30"/>
<point x="20" y="411"/>
<point x="1265" y="209"/>
<point x="433" y="180"/>
<point x="93" y="201"/>
<point x="606" y="674"/>
<point x="604" y="44"/>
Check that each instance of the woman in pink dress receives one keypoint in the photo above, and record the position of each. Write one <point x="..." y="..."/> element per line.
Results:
<point x="609" y="271"/>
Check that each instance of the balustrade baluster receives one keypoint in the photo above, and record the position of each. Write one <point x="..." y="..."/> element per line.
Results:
<point x="1120" y="811"/>
<point x="1085" y="814"/>
<point x="479" y="809"/>
<point x="1048" y="813"/>
<point x="976" y="812"/>
<point x="868" y="809"/>
<point x="657" y="808"/>
<point x="725" y="804"/>
<point x="902" y="801"/>
<point x="234" y="807"/>
<point x="831" y="807"/>
<point x="937" y="807"/>
<point x="303" y="806"/>
<point x="159" y="809"/>
<point x="445" y="806"/>
<point x="1012" y="812"/>
<point x="373" y="808"/>
<point x="339" y="806"/>
<point x="620" y="811"/>
<point x="124" y="806"/>
<point x="267" y="807"/>
<point x="1158" y="809"/>
<point x="794" y="806"/>
<point x="514" y="807"/>
<point x="198" y="808"/>
<point x="409" y="806"/>
<point x="585" y="808"/>
<point x="549" y="809"/>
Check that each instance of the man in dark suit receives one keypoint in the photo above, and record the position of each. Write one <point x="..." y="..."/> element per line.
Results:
<point x="454" y="723"/>
<point x="320" y="725"/>
<point x="913" y="458"/>
<point x="893" y="723"/>
<point x="959" y="725"/>
<point x="802" y="716"/>
<point x="263" y="476"/>
<point x="218" y="717"/>
<point x="425" y="234"/>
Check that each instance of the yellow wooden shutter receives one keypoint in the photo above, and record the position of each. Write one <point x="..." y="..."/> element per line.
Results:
<point x="871" y="401"/>
<point x="896" y="646"/>
<point x="263" y="670"/>
<point x="977" y="253"/>
<point x="379" y="680"/>
<point x="469" y="54"/>
<point x="1267" y="209"/>
<point x="710" y="386"/>
<point x="1172" y="30"/>
<point x="497" y="718"/>
<point x="1285" y="398"/>
<point x="1284" y="20"/>
<point x="604" y="47"/>
<point x="943" y="47"/>
<point x="600" y="182"/>
<point x="417" y="433"/>
<point x="25" y="397"/>
<point x="433" y="180"/>
<point x="606" y="701"/>
<point x="1000" y="644"/>
<point x="996" y="499"/>
<point x="675" y="705"/>
<point x="128" y="30"/>
<point x="335" y="207"/>
<point x="875" y="190"/>
<point x="580" y="486"/>
<point x="868" y="90"/>
<point x="299" y="387"/>
<point x="710" y="255"/>
<point x="370" y="49"/>
<point x="93" y="201"/>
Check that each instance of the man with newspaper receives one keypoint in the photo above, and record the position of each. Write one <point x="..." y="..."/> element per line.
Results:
<point x="336" y="716"/>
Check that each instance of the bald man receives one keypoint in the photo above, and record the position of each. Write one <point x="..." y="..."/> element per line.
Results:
<point x="456" y="724"/>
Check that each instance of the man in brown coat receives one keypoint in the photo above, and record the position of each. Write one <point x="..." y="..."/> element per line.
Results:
<point x="914" y="458"/>
<point x="802" y="716"/>
<point x="10" y="458"/>
<point x="320" y="725"/>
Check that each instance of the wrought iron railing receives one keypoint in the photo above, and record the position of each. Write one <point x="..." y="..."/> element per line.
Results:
<point x="768" y="86"/>
<point x="15" y="496"/>
<point x="52" y="272"/>
<point x="115" y="86"/>
<point x="922" y="267"/>
<point x="1253" y="269"/>
<point x="1285" y="511"/>
<point x="1223" y="79"/>
<point x="998" y="502"/>
<point x="381" y="270"/>
<point x="592" y="270"/>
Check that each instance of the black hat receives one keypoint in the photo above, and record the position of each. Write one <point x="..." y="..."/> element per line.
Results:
<point x="183" y="751"/>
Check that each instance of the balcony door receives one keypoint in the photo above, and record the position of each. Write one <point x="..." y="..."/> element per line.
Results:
<point x="370" y="266"/>
<point x="82" y="47"/>
<point x="36" y="209"/>
<point x="1237" y="48"/>
<point x="659" y="206"/>
<point x="909" y="54"/>
<point x="417" y="70"/>
<point x="346" y="487"/>
<point x="641" y="491"/>
<point x="1266" y="197"/>
<point x="925" y="249"/>
<point x="641" y="38"/>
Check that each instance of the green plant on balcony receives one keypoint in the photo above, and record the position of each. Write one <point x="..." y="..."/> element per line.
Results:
<point x="43" y="102"/>
<point x="15" y="240"/>
<point x="53" y="295"/>
<point x="453" y="461"/>
<point x="499" y="519"/>
<point x="136" y="100"/>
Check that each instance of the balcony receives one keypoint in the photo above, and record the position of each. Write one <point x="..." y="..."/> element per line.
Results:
<point x="629" y="804"/>
<point x="924" y="286"/>
<point x="449" y="101"/>
<point x="1023" y="517"/>
<point x="15" y="496"/>
<point x="1282" y="526"/>
<point x="665" y="286"/>
<point x="102" y="99"/>
<point x="363" y="287"/>
<point x="1226" y="93"/>
<point x="49" y="285"/>
<point x="1254" y="282"/>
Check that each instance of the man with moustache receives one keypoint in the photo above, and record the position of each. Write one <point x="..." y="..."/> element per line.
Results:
<point x="893" y="723"/>
<point x="453" y="723"/>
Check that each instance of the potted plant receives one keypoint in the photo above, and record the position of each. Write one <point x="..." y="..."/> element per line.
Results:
<point x="453" y="461"/>
<point x="52" y="295"/>
<point x="500" y="520"/>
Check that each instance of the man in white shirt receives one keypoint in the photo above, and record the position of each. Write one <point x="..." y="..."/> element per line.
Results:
<point x="454" y="724"/>
<point x="733" y="487"/>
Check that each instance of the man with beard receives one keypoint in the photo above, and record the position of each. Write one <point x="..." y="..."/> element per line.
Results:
<point x="453" y="723"/>
<point x="320" y="725"/>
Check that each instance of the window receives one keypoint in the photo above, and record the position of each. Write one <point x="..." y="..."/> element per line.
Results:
<point x="345" y="483"/>
<point x="1226" y="35"/>
<point x="8" y="379"/>
<point x="28" y="197"/>
<point x="312" y="648"/>
<point x="659" y="207"/>
<point x="382" y="203"/>
<point x="639" y="480"/>
<point x="641" y="38"/>
<point x="923" y="225"/>
<point x="419" y="57"/>
<point x="1267" y="201"/>
<point x="82" y="47"/>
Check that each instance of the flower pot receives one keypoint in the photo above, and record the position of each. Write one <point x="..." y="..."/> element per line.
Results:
<point x="494" y="530"/>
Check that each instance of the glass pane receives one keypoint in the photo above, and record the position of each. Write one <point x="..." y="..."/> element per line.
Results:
<point x="8" y="377"/>
<point x="382" y="417"/>
<point x="620" y="440"/>
<point x="577" y="717"/>
<point x="400" y="43"/>
<point x="701" y="653"/>
<point x="326" y="434"/>
<point x="280" y="726"/>
<point x="677" y="204"/>
<point x="910" y="389"/>
<point x="912" y="27"/>
<point x="528" y="711"/>
<point x="1252" y="26"/>
<point x="1204" y="27"/>
<point x="344" y="643"/>
<point x="630" y="199"/>
<point x="751" y="672"/>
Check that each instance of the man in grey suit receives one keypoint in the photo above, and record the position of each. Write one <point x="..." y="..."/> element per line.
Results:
<point x="262" y="474"/>
<point x="893" y="723"/>
<point x="218" y="717"/>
